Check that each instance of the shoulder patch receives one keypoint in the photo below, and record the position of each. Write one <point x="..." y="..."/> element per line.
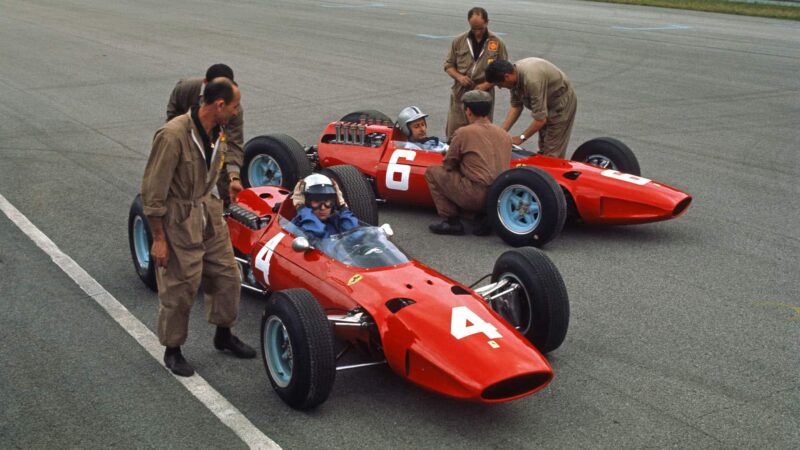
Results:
<point x="493" y="46"/>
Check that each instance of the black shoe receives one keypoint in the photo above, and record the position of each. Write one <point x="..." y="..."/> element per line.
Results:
<point x="448" y="226"/>
<point x="225" y="340"/>
<point x="481" y="226"/>
<point x="175" y="362"/>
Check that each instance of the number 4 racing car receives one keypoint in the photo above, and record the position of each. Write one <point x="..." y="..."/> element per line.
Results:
<point x="357" y="290"/>
<point x="527" y="205"/>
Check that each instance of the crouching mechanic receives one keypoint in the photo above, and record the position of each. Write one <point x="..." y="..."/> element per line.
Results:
<point x="190" y="238"/>
<point x="321" y="209"/>
<point x="411" y="121"/>
<point x="478" y="153"/>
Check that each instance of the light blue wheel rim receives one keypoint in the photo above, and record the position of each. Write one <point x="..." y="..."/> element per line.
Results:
<point x="278" y="351"/>
<point x="263" y="171"/>
<point x="602" y="161"/>
<point x="140" y="245"/>
<point x="519" y="209"/>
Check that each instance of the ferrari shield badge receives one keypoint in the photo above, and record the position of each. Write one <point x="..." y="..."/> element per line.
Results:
<point x="355" y="279"/>
<point x="494" y="344"/>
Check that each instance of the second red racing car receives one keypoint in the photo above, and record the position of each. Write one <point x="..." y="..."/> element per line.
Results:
<point x="527" y="204"/>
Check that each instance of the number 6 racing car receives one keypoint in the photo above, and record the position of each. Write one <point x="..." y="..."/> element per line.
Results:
<point x="527" y="204"/>
<point x="357" y="290"/>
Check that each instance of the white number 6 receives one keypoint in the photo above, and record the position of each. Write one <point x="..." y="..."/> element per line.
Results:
<point x="641" y="181"/>
<point x="402" y="169"/>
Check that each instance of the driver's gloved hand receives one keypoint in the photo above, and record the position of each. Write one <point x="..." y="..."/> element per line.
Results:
<point x="298" y="198"/>
<point x="339" y="197"/>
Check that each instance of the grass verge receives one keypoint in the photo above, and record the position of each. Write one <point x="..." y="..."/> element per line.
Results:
<point x="720" y="6"/>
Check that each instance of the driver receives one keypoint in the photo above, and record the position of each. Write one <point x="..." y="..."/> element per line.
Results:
<point x="412" y="122"/>
<point x="321" y="209"/>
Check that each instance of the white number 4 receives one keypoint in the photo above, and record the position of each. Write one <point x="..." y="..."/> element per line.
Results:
<point x="465" y="323"/>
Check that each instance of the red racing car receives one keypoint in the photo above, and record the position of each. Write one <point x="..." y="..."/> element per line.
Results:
<point x="528" y="204"/>
<point x="357" y="290"/>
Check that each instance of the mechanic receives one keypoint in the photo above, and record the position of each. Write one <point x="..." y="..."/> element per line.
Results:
<point x="187" y="93"/>
<point x="466" y="63"/>
<point x="190" y="239"/>
<point x="412" y="122"/>
<point x="543" y="88"/>
<point x="321" y="209"/>
<point x="478" y="153"/>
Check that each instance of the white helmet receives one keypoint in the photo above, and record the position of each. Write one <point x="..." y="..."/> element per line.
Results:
<point x="318" y="187"/>
<point x="407" y="116"/>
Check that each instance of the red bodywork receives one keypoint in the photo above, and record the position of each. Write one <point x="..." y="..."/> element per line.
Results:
<point x="600" y="196"/>
<point x="418" y="340"/>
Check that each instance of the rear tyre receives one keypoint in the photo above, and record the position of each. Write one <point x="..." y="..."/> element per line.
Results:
<point x="297" y="348"/>
<point x="539" y="308"/>
<point x="357" y="192"/>
<point x="608" y="153"/>
<point x="526" y="207"/>
<point x="140" y="240"/>
<point x="275" y="159"/>
<point x="369" y="114"/>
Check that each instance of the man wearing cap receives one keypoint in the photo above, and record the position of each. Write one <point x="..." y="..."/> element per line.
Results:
<point x="544" y="89"/>
<point x="478" y="153"/>
<point x="187" y="93"/>
<point x="466" y="63"/>
<point x="190" y="238"/>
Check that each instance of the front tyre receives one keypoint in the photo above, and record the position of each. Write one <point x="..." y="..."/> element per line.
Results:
<point x="526" y="207"/>
<point x="608" y="153"/>
<point x="297" y="348"/>
<point x="140" y="240"/>
<point x="539" y="307"/>
<point x="357" y="192"/>
<point x="275" y="159"/>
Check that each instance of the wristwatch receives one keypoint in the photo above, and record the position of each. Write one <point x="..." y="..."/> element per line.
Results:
<point x="522" y="137"/>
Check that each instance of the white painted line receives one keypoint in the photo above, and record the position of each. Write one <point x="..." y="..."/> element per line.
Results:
<point x="196" y="385"/>
<point x="369" y="5"/>
<point x="673" y="26"/>
<point x="437" y="36"/>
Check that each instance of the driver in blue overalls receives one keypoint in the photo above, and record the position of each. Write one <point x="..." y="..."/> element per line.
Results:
<point x="412" y="122"/>
<point x="321" y="209"/>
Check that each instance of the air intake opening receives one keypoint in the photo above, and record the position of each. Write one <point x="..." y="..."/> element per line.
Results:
<point x="682" y="206"/>
<point x="515" y="386"/>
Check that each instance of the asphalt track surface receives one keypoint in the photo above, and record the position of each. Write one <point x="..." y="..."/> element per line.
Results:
<point x="683" y="333"/>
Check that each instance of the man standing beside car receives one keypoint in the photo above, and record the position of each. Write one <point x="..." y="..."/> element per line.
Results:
<point x="540" y="86"/>
<point x="478" y="153"/>
<point x="466" y="63"/>
<point x="187" y="93"/>
<point x="190" y="238"/>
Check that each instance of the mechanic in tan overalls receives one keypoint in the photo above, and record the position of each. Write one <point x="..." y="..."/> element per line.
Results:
<point x="466" y="63"/>
<point x="190" y="238"/>
<point x="478" y="153"/>
<point x="540" y="86"/>
<point x="187" y="93"/>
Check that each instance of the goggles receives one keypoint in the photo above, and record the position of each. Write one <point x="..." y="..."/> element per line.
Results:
<point x="320" y="204"/>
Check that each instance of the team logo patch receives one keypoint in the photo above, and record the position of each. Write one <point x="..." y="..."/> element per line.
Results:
<point x="493" y="46"/>
<point x="490" y="60"/>
<point x="355" y="279"/>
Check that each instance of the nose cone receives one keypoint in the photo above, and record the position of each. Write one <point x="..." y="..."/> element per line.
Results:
<point x="455" y="345"/>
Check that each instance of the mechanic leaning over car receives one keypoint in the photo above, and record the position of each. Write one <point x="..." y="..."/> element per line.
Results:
<point x="187" y="93"/>
<point x="412" y="123"/>
<point x="466" y="63"/>
<point x="190" y="238"/>
<point x="321" y="209"/>
<point x="478" y="153"/>
<point x="544" y="89"/>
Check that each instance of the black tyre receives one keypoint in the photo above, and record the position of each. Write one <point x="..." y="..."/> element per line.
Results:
<point x="369" y="114"/>
<point x="140" y="239"/>
<point x="526" y="207"/>
<point x="608" y="153"/>
<point x="297" y="348"/>
<point x="275" y="159"/>
<point x="539" y="307"/>
<point x="357" y="192"/>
